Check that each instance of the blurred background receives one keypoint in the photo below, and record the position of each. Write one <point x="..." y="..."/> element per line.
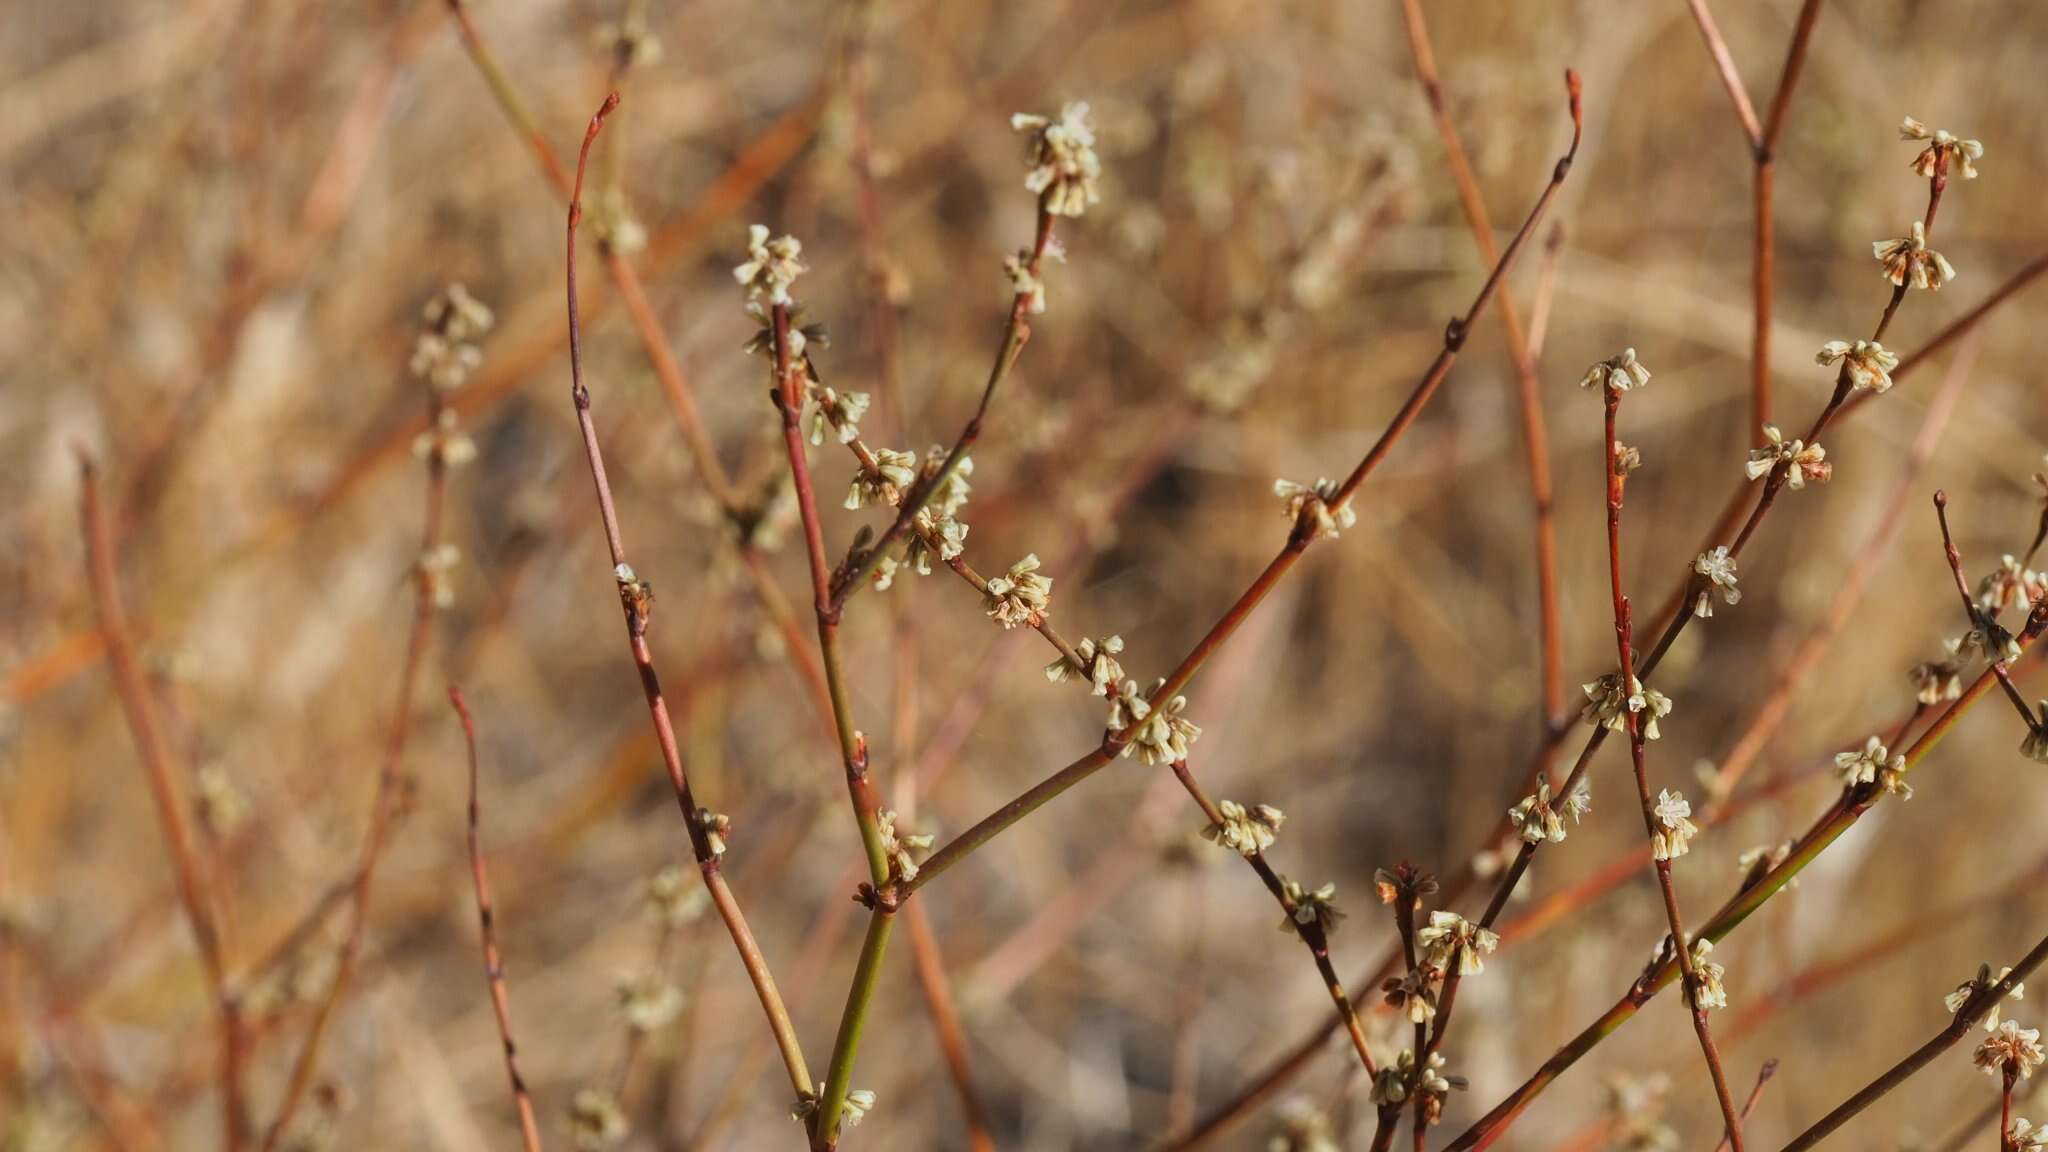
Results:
<point x="225" y="218"/>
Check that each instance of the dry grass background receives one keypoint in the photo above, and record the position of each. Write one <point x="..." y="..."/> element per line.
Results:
<point x="1386" y="697"/>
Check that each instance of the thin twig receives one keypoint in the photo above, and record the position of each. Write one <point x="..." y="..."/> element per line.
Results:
<point x="636" y="598"/>
<point x="1724" y="63"/>
<point x="494" y="966"/>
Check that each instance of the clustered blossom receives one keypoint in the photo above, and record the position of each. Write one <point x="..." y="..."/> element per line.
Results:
<point x="1098" y="665"/>
<point x="649" y="1003"/>
<point x="716" y="826"/>
<point x="1869" y="366"/>
<point x="596" y="1122"/>
<point x="1718" y="567"/>
<point x="1064" y="167"/>
<point x="838" y="411"/>
<point x="1874" y="764"/>
<point x="1673" y="830"/>
<point x="2022" y="1136"/>
<point x="1707" y="991"/>
<point x="859" y="1102"/>
<point x="1992" y="639"/>
<point x="1024" y="282"/>
<point x="898" y="846"/>
<point x="1937" y="680"/>
<point x="1908" y="260"/>
<point x="673" y="898"/>
<point x="1245" y="831"/>
<point x="1802" y="462"/>
<point x="1608" y="706"/>
<point x="1627" y="458"/>
<point x="939" y="530"/>
<point x="1397" y="1081"/>
<point x="1019" y="596"/>
<point x="2011" y="584"/>
<point x="1319" y="500"/>
<point x="1619" y="373"/>
<point x="1536" y="820"/>
<point x="884" y="481"/>
<point x="1305" y="907"/>
<point x="1960" y="155"/>
<point x="1955" y="1000"/>
<point x="2010" y="1047"/>
<point x="446" y="352"/>
<point x="770" y="268"/>
<point x="1413" y="994"/>
<point x="1159" y="732"/>
<point x="1450" y="936"/>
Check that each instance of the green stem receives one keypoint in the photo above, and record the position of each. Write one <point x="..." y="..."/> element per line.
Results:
<point x="859" y="997"/>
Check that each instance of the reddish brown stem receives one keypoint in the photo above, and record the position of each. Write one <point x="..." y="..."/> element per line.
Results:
<point x="494" y="966"/>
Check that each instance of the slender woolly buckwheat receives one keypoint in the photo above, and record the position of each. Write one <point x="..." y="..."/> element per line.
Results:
<point x="715" y="826"/>
<point x="1961" y="155"/>
<point x="859" y="1102"/>
<point x="1098" y="665"/>
<point x="1064" y="167"/>
<point x="1868" y="364"/>
<point x="2010" y="1047"/>
<point x="1955" y="1000"/>
<point x="1874" y="764"/>
<point x="1449" y="935"/>
<point x="1161" y="734"/>
<point x="1801" y="461"/>
<point x="1709" y="993"/>
<point x="1305" y="907"/>
<point x="2022" y="1136"/>
<point x="1674" y="829"/>
<point x="770" y="268"/>
<point x="1608" y="706"/>
<point x="1317" y="501"/>
<point x="898" y="846"/>
<point x="1245" y="831"/>
<point x="884" y="482"/>
<point x="1718" y="567"/>
<point x="1019" y="596"/>
<point x="1535" y="820"/>
<point x="1620" y="373"/>
<point x="1024" y="282"/>
<point x="1935" y="681"/>
<point x="1909" y="261"/>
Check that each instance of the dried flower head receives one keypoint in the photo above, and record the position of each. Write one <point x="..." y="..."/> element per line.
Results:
<point x="884" y="481"/>
<point x="2010" y="584"/>
<point x="1535" y="820"/>
<point x="1098" y="665"/>
<point x="1707" y="991"/>
<point x="1608" y="706"/>
<point x="1992" y="640"/>
<point x="1867" y="364"/>
<point x="2010" y="1047"/>
<point x="1942" y="149"/>
<point x="1955" y="1000"/>
<point x="1618" y="373"/>
<point x="1025" y="283"/>
<point x="1064" y="167"/>
<point x="1908" y="260"/>
<point x="1801" y="462"/>
<point x="1671" y="836"/>
<point x="1939" y="680"/>
<point x="771" y="266"/>
<point x="1019" y="596"/>
<point x="1304" y="907"/>
<point x="1245" y="831"/>
<point x="2022" y="1136"/>
<point x="1413" y="993"/>
<point x="1718" y="567"/>
<point x="1449" y="936"/>
<point x="596" y="1122"/>
<point x="673" y="898"/>
<point x="1403" y="882"/>
<point x="716" y="826"/>
<point x="1874" y="764"/>
<point x="898" y="846"/>
<point x="648" y="1003"/>
<point x="2035" y="746"/>
<point x="1319" y="502"/>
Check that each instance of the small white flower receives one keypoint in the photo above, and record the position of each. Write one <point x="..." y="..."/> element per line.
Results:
<point x="1719" y="569"/>
<point x="1937" y="680"/>
<point x="2024" y="1137"/>
<point x="936" y="535"/>
<point x="899" y="846"/>
<point x="1305" y="907"/>
<point x="1019" y="596"/>
<point x="1962" y="155"/>
<point x="1448" y="934"/>
<point x="1098" y="665"/>
<point x="1619" y="373"/>
<point x="1025" y="283"/>
<point x="1157" y="730"/>
<point x="1319" y="500"/>
<point x="1869" y="366"/>
<point x="839" y="411"/>
<point x="1802" y="462"/>
<point x="1955" y="1000"/>
<point x="770" y="268"/>
<point x="1708" y="992"/>
<point x="1608" y="706"/>
<point x="1064" y="167"/>
<point x="1245" y="831"/>
<point x="1536" y="820"/>
<point x="1874" y="764"/>
<point x="859" y="1102"/>
<point x="1908" y="260"/>
<point x="2010" y="1045"/>
<point x="885" y="482"/>
<point x="1674" y="829"/>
